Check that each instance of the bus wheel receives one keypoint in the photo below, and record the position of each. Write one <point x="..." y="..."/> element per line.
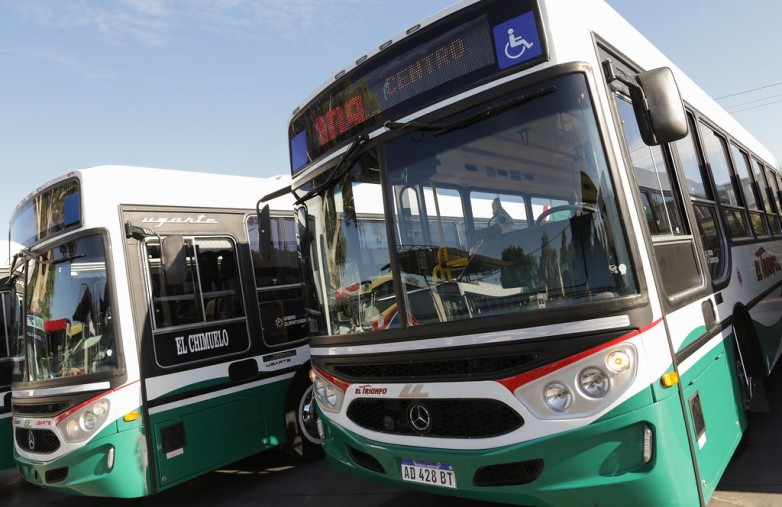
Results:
<point x="301" y="421"/>
<point x="752" y="372"/>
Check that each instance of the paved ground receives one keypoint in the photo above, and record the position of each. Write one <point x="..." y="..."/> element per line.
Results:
<point x="754" y="475"/>
<point x="753" y="479"/>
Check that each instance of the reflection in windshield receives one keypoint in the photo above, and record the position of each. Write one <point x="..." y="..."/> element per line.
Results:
<point x="513" y="213"/>
<point x="69" y="326"/>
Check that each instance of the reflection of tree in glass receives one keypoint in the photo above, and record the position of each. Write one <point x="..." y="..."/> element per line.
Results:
<point x="548" y="266"/>
<point x="336" y="247"/>
<point x="521" y="269"/>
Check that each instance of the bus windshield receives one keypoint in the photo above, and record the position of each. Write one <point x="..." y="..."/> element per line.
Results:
<point x="69" y="325"/>
<point x="504" y="207"/>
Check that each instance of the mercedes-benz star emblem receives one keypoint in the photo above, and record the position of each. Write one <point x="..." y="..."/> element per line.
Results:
<point x="31" y="440"/>
<point x="419" y="417"/>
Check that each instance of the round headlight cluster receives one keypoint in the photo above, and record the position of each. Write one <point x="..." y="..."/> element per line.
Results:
<point x="582" y="387"/>
<point x="84" y="422"/>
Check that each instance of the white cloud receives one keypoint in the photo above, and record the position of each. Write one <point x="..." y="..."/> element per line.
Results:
<point x="156" y="22"/>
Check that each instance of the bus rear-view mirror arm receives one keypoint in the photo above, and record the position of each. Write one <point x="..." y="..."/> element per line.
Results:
<point x="172" y="252"/>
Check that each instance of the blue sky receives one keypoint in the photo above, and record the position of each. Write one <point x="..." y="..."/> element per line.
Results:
<point x="208" y="85"/>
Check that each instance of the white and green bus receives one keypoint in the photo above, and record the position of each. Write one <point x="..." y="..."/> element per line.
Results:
<point x="159" y="343"/>
<point x="598" y="340"/>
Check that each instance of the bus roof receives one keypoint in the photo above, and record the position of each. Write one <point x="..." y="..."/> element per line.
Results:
<point x="115" y="184"/>
<point x="581" y="20"/>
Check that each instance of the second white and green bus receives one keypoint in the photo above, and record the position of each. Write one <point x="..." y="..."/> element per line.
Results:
<point x="159" y="343"/>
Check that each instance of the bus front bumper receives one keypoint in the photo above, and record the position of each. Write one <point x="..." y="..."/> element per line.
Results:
<point x="600" y="464"/>
<point x="114" y="466"/>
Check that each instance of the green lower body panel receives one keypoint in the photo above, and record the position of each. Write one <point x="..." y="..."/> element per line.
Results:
<point x="196" y="438"/>
<point x="88" y="471"/>
<point x="600" y="464"/>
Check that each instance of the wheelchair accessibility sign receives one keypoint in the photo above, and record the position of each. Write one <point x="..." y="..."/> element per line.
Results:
<point x="517" y="40"/>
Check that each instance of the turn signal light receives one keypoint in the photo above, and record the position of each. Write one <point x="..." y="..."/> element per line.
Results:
<point x="670" y="379"/>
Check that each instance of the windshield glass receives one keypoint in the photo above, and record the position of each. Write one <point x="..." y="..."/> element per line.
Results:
<point x="507" y="208"/>
<point x="69" y="328"/>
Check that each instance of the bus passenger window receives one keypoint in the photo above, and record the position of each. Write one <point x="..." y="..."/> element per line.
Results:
<point x="728" y="194"/>
<point x="278" y="283"/>
<point x="219" y="279"/>
<point x="704" y="205"/>
<point x="653" y="176"/>
<point x="173" y="304"/>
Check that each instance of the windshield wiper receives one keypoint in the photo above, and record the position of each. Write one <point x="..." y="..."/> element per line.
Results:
<point x="484" y="114"/>
<point x="336" y="173"/>
<point x="62" y="259"/>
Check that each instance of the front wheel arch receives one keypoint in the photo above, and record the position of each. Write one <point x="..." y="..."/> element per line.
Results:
<point x="301" y="427"/>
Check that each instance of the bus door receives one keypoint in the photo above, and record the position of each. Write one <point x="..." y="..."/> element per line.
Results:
<point x="687" y="254"/>
<point x="201" y="347"/>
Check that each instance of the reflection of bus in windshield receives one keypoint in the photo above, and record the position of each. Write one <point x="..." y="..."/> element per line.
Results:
<point x="10" y="349"/>
<point x="161" y="340"/>
<point x="572" y="291"/>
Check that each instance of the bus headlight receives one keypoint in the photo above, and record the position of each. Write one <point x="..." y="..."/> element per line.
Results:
<point x="328" y="395"/>
<point x="558" y="397"/>
<point x="594" y="382"/>
<point x="581" y="388"/>
<point x="83" y="421"/>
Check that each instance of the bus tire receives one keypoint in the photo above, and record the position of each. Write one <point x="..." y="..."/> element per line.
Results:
<point x="301" y="421"/>
<point x="750" y="366"/>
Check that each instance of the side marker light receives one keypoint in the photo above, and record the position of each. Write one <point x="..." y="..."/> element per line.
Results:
<point x="669" y="379"/>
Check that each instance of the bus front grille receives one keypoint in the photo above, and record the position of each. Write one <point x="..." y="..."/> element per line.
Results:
<point x="441" y="418"/>
<point x="38" y="441"/>
<point x="39" y="409"/>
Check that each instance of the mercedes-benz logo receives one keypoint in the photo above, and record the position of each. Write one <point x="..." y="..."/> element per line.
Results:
<point x="419" y="417"/>
<point x="31" y="440"/>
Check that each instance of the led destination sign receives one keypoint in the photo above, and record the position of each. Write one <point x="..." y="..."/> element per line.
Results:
<point x="453" y="55"/>
<point x="410" y="76"/>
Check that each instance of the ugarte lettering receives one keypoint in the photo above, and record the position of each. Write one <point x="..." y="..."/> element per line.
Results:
<point x="161" y="221"/>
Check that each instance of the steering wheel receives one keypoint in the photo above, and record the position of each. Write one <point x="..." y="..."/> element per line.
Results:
<point x="564" y="207"/>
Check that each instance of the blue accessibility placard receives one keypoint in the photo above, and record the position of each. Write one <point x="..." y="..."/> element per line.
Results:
<point x="517" y="40"/>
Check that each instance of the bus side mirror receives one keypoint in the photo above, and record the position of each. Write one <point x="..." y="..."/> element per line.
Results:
<point x="265" y="232"/>
<point x="657" y="103"/>
<point x="658" y="107"/>
<point x="172" y="251"/>
<point x="302" y="232"/>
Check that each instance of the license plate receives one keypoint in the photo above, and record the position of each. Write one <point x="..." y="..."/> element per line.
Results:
<point x="434" y="473"/>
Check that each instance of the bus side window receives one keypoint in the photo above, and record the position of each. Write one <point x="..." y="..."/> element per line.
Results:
<point x="704" y="204"/>
<point x="278" y="283"/>
<point x="219" y="279"/>
<point x="173" y="304"/>
<point x="728" y="194"/>
<point x="750" y="189"/>
<point x="662" y="206"/>
<point x="674" y="247"/>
